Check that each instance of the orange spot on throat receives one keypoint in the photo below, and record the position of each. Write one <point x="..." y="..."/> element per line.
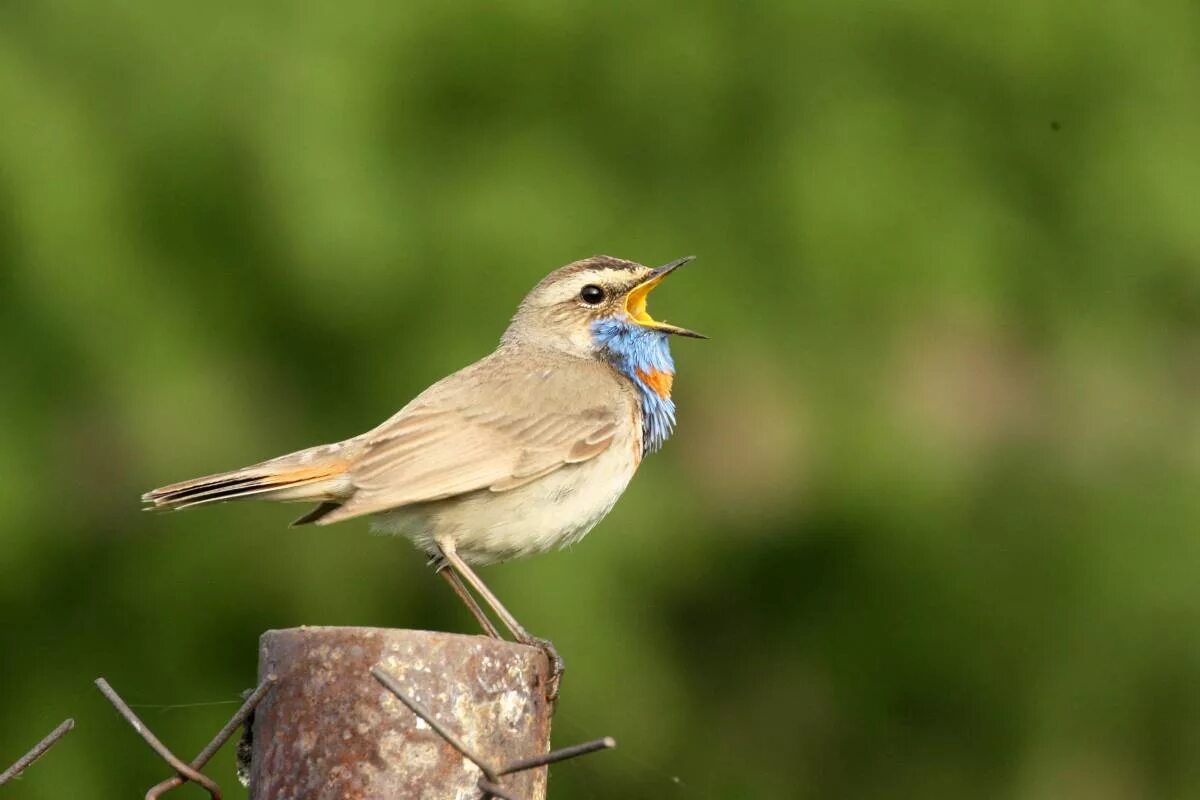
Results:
<point x="659" y="382"/>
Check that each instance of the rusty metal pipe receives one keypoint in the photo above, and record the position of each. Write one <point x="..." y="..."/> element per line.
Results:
<point x="331" y="730"/>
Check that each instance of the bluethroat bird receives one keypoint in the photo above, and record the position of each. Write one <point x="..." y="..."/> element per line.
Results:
<point x="521" y="452"/>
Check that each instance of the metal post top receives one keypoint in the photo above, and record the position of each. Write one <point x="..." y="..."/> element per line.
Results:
<point x="330" y="729"/>
<point x="390" y="634"/>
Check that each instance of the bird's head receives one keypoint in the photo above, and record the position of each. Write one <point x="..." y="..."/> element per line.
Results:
<point x="596" y="308"/>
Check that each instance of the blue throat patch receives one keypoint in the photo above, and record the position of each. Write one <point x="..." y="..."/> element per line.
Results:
<point x="633" y="348"/>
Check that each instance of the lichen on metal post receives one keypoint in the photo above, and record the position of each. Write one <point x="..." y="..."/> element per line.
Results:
<point x="330" y="730"/>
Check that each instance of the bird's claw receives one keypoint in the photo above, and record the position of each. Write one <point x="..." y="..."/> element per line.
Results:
<point x="557" y="665"/>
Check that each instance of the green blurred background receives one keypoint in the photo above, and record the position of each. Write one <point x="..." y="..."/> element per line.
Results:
<point x="928" y="525"/>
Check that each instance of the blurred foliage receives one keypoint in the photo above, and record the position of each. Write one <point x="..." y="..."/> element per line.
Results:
<point x="928" y="527"/>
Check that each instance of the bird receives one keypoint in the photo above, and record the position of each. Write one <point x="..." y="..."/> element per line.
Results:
<point x="519" y="453"/>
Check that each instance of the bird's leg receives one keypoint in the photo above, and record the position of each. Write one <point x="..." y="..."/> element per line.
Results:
<point x="463" y="594"/>
<point x="450" y="554"/>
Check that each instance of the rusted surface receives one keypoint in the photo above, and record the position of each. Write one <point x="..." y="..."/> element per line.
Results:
<point x="329" y="731"/>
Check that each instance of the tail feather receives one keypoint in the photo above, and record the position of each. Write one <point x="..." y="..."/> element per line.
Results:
<point x="291" y="478"/>
<point x="326" y="507"/>
<point x="231" y="485"/>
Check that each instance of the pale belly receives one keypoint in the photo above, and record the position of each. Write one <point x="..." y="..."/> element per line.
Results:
<point x="553" y="511"/>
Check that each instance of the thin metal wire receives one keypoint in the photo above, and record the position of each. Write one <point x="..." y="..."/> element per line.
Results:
<point x="553" y="757"/>
<point x="393" y="686"/>
<point x="38" y="751"/>
<point x="125" y="711"/>
<point x="490" y="789"/>
<point x="256" y="697"/>
<point x="488" y="784"/>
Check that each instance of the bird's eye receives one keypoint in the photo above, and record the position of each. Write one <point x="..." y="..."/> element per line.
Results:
<point x="591" y="294"/>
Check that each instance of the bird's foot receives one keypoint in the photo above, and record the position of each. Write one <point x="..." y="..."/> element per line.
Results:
<point x="557" y="665"/>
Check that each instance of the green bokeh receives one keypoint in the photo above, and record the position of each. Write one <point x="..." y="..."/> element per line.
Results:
<point x="929" y="525"/>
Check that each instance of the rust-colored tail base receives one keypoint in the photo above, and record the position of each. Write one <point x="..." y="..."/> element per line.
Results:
<point x="281" y="480"/>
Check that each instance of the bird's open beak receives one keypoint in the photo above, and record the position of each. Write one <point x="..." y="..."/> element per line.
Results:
<point x="635" y="300"/>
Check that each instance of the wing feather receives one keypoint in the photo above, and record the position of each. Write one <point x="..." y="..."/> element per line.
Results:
<point x="490" y="426"/>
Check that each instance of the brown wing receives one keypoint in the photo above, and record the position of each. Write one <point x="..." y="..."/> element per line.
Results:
<point x="491" y="426"/>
